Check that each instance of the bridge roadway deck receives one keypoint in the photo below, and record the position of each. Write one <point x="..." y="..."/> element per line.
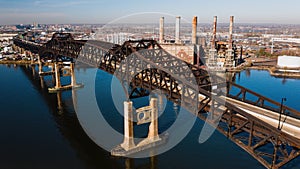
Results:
<point x="290" y="125"/>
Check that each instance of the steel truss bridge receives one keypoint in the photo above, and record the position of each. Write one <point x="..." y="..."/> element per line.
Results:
<point x="247" y="118"/>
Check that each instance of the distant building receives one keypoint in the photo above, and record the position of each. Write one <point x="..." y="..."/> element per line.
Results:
<point x="288" y="61"/>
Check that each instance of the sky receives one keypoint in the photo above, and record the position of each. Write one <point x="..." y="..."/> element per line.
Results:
<point x="145" y="11"/>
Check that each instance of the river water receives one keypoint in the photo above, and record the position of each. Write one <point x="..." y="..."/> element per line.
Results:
<point x="37" y="131"/>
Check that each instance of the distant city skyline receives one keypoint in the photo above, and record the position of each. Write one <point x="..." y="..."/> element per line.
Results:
<point x="105" y="11"/>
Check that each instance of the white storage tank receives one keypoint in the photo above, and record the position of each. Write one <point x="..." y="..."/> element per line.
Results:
<point x="288" y="61"/>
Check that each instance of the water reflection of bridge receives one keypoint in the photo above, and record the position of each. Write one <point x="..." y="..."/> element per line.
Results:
<point x="68" y="125"/>
<point x="247" y="118"/>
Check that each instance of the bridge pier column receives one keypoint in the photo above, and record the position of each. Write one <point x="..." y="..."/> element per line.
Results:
<point x="128" y="142"/>
<point x="57" y="76"/>
<point x="31" y="58"/>
<point x="73" y="78"/>
<point x="66" y="72"/>
<point x="150" y="115"/>
<point x="40" y="65"/>
<point x="153" y="128"/>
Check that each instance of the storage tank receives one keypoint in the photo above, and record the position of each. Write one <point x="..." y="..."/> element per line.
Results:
<point x="288" y="61"/>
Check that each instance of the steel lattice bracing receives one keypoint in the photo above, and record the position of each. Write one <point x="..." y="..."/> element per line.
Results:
<point x="31" y="46"/>
<point x="236" y="123"/>
<point x="271" y="147"/>
<point x="143" y="66"/>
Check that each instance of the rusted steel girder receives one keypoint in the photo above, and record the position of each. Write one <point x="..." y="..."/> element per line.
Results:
<point x="165" y="73"/>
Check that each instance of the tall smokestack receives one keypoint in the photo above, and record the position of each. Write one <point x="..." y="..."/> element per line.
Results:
<point x="161" y="30"/>
<point x="230" y="31"/>
<point x="194" y="30"/>
<point x="177" y="31"/>
<point x="214" y="33"/>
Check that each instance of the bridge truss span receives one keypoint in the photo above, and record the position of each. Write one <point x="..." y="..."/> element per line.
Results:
<point x="244" y="116"/>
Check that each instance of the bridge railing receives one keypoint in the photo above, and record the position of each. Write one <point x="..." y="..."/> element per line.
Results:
<point x="243" y="94"/>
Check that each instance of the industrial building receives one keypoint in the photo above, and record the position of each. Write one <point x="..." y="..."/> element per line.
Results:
<point x="218" y="55"/>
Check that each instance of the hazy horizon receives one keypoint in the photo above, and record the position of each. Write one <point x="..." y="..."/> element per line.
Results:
<point x="199" y="24"/>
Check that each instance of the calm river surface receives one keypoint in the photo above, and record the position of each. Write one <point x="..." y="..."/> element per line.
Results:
<point x="38" y="132"/>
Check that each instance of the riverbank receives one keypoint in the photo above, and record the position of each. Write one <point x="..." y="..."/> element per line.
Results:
<point x="276" y="72"/>
<point x="23" y="62"/>
<point x="268" y="65"/>
<point x="17" y="62"/>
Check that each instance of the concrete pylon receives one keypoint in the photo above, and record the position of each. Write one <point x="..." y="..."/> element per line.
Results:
<point x="161" y="30"/>
<point x="31" y="58"/>
<point x="194" y="30"/>
<point x="128" y="142"/>
<point x="53" y="74"/>
<point x="57" y="76"/>
<point x="153" y="128"/>
<point x="128" y="146"/>
<point x="40" y="65"/>
<point x="73" y="78"/>
<point x="177" y="30"/>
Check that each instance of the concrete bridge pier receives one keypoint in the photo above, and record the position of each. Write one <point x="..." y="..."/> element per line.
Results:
<point x="31" y="58"/>
<point x="149" y="114"/>
<point x="53" y="74"/>
<point x="128" y="142"/>
<point x="59" y="70"/>
<point x="153" y="128"/>
<point x="73" y="78"/>
<point x="40" y="65"/>
<point x="57" y="75"/>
